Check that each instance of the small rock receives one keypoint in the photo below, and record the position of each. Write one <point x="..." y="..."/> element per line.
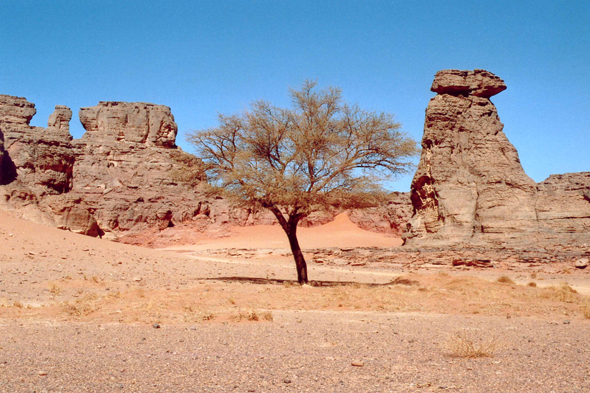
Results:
<point x="286" y="380"/>
<point x="358" y="363"/>
<point x="582" y="263"/>
<point x="566" y="322"/>
<point x="137" y="279"/>
<point x="42" y="373"/>
<point x="156" y="325"/>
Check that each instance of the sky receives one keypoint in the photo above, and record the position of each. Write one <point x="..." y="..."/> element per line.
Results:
<point x="202" y="58"/>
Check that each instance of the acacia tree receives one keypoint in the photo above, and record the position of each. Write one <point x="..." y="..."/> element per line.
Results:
<point x="293" y="161"/>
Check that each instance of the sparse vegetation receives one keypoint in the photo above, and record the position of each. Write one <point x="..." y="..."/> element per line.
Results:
<point x="466" y="345"/>
<point x="505" y="280"/>
<point x="563" y="293"/>
<point x="253" y="315"/>
<point x="54" y="289"/>
<point x="586" y="310"/>
<point x="207" y="316"/>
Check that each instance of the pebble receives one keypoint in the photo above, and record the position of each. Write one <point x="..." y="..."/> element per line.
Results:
<point x="137" y="279"/>
<point x="42" y="373"/>
<point x="156" y="325"/>
<point x="358" y="363"/>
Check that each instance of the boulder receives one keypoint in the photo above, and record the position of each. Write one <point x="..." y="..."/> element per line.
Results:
<point x="478" y="83"/>
<point x="582" y="263"/>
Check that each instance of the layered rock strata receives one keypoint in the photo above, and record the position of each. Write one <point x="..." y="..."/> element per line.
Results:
<point x="470" y="184"/>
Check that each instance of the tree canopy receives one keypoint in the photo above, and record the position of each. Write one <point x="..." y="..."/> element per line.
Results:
<point x="321" y="152"/>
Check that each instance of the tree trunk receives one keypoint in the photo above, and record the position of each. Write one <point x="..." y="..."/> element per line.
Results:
<point x="290" y="228"/>
<point x="297" y="255"/>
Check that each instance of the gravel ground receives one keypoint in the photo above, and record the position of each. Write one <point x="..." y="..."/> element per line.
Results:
<point x="317" y="351"/>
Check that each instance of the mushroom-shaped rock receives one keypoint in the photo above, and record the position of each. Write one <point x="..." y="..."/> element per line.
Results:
<point x="479" y="83"/>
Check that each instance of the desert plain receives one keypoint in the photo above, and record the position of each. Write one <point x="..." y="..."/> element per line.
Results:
<point x="224" y="314"/>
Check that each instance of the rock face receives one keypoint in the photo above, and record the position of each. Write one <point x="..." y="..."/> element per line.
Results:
<point x="42" y="159"/>
<point x="129" y="170"/>
<point x="134" y="122"/>
<point x="470" y="185"/>
<point x="2" y="155"/>
<point x="390" y="218"/>
<point x="563" y="203"/>
<point x="126" y="171"/>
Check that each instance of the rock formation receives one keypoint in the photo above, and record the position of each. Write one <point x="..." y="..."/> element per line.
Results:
<point x="470" y="185"/>
<point x="135" y="122"/>
<point x="563" y="204"/>
<point x="42" y="159"/>
<point x="389" y="218"/>
<point x="125" y="171"/>
<point x="2" y="156"/>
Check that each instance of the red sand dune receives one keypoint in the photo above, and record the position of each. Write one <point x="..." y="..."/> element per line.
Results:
<point x="339" y="233"/>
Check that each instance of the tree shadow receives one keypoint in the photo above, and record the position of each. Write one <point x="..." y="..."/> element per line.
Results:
<point x="275" y="281"/>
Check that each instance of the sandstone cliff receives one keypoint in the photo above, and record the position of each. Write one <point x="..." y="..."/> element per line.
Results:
<point x="125" y="172"/>
<point x="470" y="184"/>
<point x="124" y="175"/>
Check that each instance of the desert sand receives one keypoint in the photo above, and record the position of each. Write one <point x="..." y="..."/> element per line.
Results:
<point x="80" y="314"/>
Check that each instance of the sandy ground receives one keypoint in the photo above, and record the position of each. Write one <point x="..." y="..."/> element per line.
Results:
<point x="87" y="315"/>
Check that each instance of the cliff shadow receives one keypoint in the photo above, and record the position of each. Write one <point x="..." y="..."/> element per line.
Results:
<point x="8" y="174"/>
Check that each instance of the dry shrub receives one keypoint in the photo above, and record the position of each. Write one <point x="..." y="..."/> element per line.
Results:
<point x="207" y="316"/>
<point x="54" y="289"/>
<point x="564" y="293"/>
<point x="505" y="280"/>
<point x="586" y="310"/>
<point x="253" y="315"/>
<point x="77" y="309"/>
<point x="466" y="345"/>
<point x="404" y="281"/>
<point x="532" y="284"/>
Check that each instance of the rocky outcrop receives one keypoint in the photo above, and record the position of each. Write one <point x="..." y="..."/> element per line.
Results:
<point x="41" y="159"/>
<point x="134" y="122"/>
<point x="470" y="184"/>
<point x="391" y="218"/>
<point x="2" y="156"/>
<point x="125" y="174"/>
<point x="563" y="203"/>
<point x="129" y="171"/>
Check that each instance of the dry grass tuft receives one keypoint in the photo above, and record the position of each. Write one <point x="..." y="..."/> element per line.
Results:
<point x="207" y="316"/>
<point x="254" y="316"/>
<point x="586" y="310"/>
<point x="465" y="345"/>
<point x="54" y="289"/>
<point x="404" y="281"/>
<point x="505" y="280"/>
<point x="564" y="293"/>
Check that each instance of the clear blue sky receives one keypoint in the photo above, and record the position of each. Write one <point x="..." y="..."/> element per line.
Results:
<point x="205" y="57"/>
